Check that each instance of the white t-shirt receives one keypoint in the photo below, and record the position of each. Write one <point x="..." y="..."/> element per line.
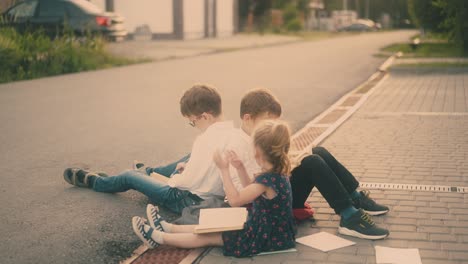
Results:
<point x="242" y="144"/>
<point x="201" y="176"/>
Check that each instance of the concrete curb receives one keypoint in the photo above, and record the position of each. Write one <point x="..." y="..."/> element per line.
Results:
<point x="216" y="50"/>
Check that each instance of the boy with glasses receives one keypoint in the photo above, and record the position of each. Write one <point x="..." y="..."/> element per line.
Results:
<point x="200" y="179"/>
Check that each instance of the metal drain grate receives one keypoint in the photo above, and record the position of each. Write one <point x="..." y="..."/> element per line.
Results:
<point x="163" y="254"/>
<point x="413" y="187"/>
<point x="351" y="101"/>
<point x="332" y="117"/>
<point x="304" y="139"/>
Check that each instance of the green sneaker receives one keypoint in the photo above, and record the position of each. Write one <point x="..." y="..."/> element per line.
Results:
<point x="368" y="205"/>
<point x="361" y="225"/>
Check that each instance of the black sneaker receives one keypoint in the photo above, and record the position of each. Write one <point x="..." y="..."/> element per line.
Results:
<point x="80" y="177"/>
<point x="140" y="166"/>
<point x="137" y="165"/>
<point x="368" y="205"/>
<point x="361" y="225"/>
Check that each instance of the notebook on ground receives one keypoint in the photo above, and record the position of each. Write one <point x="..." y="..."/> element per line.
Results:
<point x="324" y="241"/>
<point x="397" y="255"/>
<point x="221" y="219"/>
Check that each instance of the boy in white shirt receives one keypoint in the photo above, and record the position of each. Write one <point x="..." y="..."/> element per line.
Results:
<point x="201" y="105"/>
<point x="256" y="106"/>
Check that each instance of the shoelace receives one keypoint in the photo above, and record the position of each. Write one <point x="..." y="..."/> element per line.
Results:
<point x="366" y="193"/>
<point x="366" y="218"/>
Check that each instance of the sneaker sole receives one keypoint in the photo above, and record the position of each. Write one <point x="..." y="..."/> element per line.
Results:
<point x="374" y="213"/>
<point x="349" y="232"/>
<point x="140" y="236"/>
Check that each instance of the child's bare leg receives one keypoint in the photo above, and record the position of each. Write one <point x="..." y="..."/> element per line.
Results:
<point x="182" y="240"/>
<point x="182" y="228"/>
<point x="189" y="240"/>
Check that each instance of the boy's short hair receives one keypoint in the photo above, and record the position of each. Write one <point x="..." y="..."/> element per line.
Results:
<point x="259" y="101"/>
<point x="200" y="99"/>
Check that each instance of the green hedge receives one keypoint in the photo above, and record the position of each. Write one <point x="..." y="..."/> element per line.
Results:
<point x="428" y="50"/>
<point x="33" y="55"/>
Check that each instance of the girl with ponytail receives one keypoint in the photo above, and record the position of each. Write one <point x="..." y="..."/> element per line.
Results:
<point x="270" y="225"/>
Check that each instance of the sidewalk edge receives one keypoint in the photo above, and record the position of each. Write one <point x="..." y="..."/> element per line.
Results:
<point x="330" y="128"/>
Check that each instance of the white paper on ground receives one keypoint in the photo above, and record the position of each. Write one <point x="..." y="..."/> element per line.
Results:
<point x="324" y="241"/>
<point x="397" y="255"/>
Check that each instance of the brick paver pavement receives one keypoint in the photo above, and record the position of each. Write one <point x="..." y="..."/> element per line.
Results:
<point x="412" y="130"/>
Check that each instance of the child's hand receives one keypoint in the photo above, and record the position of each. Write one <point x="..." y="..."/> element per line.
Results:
<point x="220" y="160"/>
<point x="234" y="159"/>
<point x="180" y="167"/>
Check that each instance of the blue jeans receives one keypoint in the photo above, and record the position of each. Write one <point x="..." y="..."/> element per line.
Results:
<point x="167" y="170"/>
<point x="158" y="192"/>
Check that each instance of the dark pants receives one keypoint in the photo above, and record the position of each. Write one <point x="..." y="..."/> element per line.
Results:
<point x="323" y="171"/>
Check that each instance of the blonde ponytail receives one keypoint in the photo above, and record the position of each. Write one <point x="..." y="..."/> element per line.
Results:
<point x="274" y="139"/>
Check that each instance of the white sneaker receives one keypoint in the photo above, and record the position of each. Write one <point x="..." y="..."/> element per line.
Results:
<point x="154" y="218"/>
<point x="139" y="225"/>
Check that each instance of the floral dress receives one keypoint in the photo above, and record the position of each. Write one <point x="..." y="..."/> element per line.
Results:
<point x="270" y="224"/>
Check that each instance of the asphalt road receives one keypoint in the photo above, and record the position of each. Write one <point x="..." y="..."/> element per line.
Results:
<point x="105" y="119"/>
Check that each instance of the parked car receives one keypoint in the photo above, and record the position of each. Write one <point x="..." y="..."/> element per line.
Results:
<point x="361" y="25"/>
<point x="356" y="27"/>
<point x="53" y="16"/>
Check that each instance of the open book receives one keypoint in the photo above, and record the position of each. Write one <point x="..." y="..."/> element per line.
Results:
<point x="221" y="219"/>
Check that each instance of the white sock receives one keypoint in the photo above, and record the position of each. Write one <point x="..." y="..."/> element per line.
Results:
<point x="156" y="235"/>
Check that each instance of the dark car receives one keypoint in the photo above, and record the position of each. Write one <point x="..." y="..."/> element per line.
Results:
<point x="357" y="27"/>
<point x="55" y="16"/>
<point x="362" y="25"/>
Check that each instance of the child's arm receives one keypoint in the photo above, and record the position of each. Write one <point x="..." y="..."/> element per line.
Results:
<point x="240" y="168"/>
<point x="235" y="198"/>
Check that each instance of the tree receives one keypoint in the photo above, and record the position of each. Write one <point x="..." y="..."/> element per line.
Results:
<point x="444" y="16"/>
<point x="258" y="8"/>
<point x="426" y="15"/>
<point x="455" y="20"/>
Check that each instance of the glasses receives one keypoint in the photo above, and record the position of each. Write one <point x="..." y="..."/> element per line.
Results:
<point x="192" y="122"/>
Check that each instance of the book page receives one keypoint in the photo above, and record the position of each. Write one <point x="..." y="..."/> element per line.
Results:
<point x="324" y="241"/>
<point x="397" y="255"/>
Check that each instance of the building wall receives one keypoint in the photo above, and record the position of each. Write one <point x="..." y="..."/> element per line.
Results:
<point x="100" y="3"/>
<point x="342" y="18"/>
<point x="224" y="18"/>
<point x="181" y="19"/>
<point x="194" y="19"/>
<point x="157" y="14"/>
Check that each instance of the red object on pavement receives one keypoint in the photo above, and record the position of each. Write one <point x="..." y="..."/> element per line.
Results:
<point x="303" y="213"/>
